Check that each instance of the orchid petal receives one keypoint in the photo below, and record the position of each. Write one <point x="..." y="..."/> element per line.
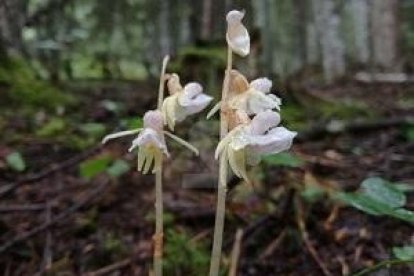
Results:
<point x="149" y="159"/>
<point x="262" y="84"/>
<point x="153" y="119"/>
<point x="157" y="161"/>
<point x="237" y="163"/>
<point x="168" y="108"/>
<point x="258" y="102"/>
<point x="214" y="110"/>
<point x="275" y="141"/>
<point x="120" y="134"/>
<point x="264" y="121"/>
<point x="182" y="142"/>
<point x="237" y="35"/>
<point x="141" y="158"/>
<point x="150" y="137"/>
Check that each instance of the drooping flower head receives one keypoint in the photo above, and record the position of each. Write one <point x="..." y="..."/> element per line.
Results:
<point x="183" y="102"/>
<point x="237" y="35"/>
<point x="248" y="142"/>
<point x="150" y="141"/>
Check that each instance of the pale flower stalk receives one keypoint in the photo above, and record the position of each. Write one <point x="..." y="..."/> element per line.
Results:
<point x="249" y="139"/>
<point x="238" y="41"/>
<point x="152" y="147"/>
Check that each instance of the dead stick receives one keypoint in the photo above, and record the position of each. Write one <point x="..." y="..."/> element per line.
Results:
<point x="236" y="252"/>
<point x="47" y="254"/>
<point x="110" y="268"/>
<point x="273" y="245"/>
<point x="24" y="236"/>
<point x="22" y="208"/>
<point x="358" y="125"/>
<point x="48" y="171"/>
<point x="305" y="237"/>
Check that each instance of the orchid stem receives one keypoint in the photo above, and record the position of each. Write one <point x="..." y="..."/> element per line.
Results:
<point x="159" y="231"/>
<point x="223" y="172"/>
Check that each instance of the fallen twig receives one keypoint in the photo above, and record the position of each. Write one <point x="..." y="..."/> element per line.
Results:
<point x="273" y="245"/>
<point x="22" y="208"/>
<point x="25" y="235"/>
<point x="110" y="268"/>
<point x="397" y="78"/>
<point x="236" y="252"/>
<point x="48" y="171"/>
<point x="47" y="253"/>
<point x="336" y="127"/>
<point x="306" y="240"/>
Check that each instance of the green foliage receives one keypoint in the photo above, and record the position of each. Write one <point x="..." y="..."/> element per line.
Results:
<point x="408" y="132"/>
<point x="312" y="192"/>
<point x="404" y="253"/>
<point x="118" y="168"/>
<point x="23" y="88"/>
<point x="112" y="244"/>
<point x="184" y="256"/>
<point x="378" y="197"/>
<point x="345" y="110"/>
<point x="95" y="130"/>
<point x="112" y="106"/>
<point x="92" y="167"/>
<point x="293" y="116"/>
<point x="15" y="161"/>
<point x="103" y="164"/>
<point x="132" y="122"/>
<point x="54" y="127"/>
<point x="283" y="159"/>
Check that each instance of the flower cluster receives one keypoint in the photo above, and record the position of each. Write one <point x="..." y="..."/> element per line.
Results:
<point x="150" y="141"/>
<point x="253" y="124"/>
<point x="183" y="101"/>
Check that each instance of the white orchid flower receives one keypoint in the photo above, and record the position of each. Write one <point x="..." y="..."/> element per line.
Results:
<point x="183" y="102"/>
<point x="247" y="143"/>
<point x="237" y="35"/>
<point x="150" y="141"/>
<point x="252" y="98"/>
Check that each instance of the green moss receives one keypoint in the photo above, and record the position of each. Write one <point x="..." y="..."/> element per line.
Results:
<point x="20" y="87"/>
<point x="183" y="256"/>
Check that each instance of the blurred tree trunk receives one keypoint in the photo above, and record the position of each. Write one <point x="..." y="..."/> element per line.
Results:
<point x="359" y="12"/>
<point x="206" y="20"/>
<point x="164" y="27"/>
<point x="12" y="18"/>
<point x="385" y="34"/>
<point x="264" y="21"/>
<point x="327" y="25"/>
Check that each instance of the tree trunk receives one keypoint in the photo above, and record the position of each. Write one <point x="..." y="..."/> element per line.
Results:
<point x="206" y="20"/>
<point x="12" y="18"/>
<point x="385" y="35"/>
<point x="164" y="21"/>
<point x="327" y="25"/>
<point x="359" y="12"/>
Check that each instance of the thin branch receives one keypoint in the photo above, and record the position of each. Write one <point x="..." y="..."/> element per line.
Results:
<point x="110" y="268"/>
<point x="306" y="240"/>
<point x="26" y="235"/>
<point x="48" y="171"/>
<point x="387" y="263"/>
<point x="236" y="252"/>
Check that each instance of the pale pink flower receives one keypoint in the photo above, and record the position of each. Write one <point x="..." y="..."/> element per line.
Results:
<point x="237" y="35"/>
<point x="183" y="102"/>
<point x="247" y="143"/>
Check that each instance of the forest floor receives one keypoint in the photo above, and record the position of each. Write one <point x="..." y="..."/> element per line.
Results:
<point x="68" y="213"/>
